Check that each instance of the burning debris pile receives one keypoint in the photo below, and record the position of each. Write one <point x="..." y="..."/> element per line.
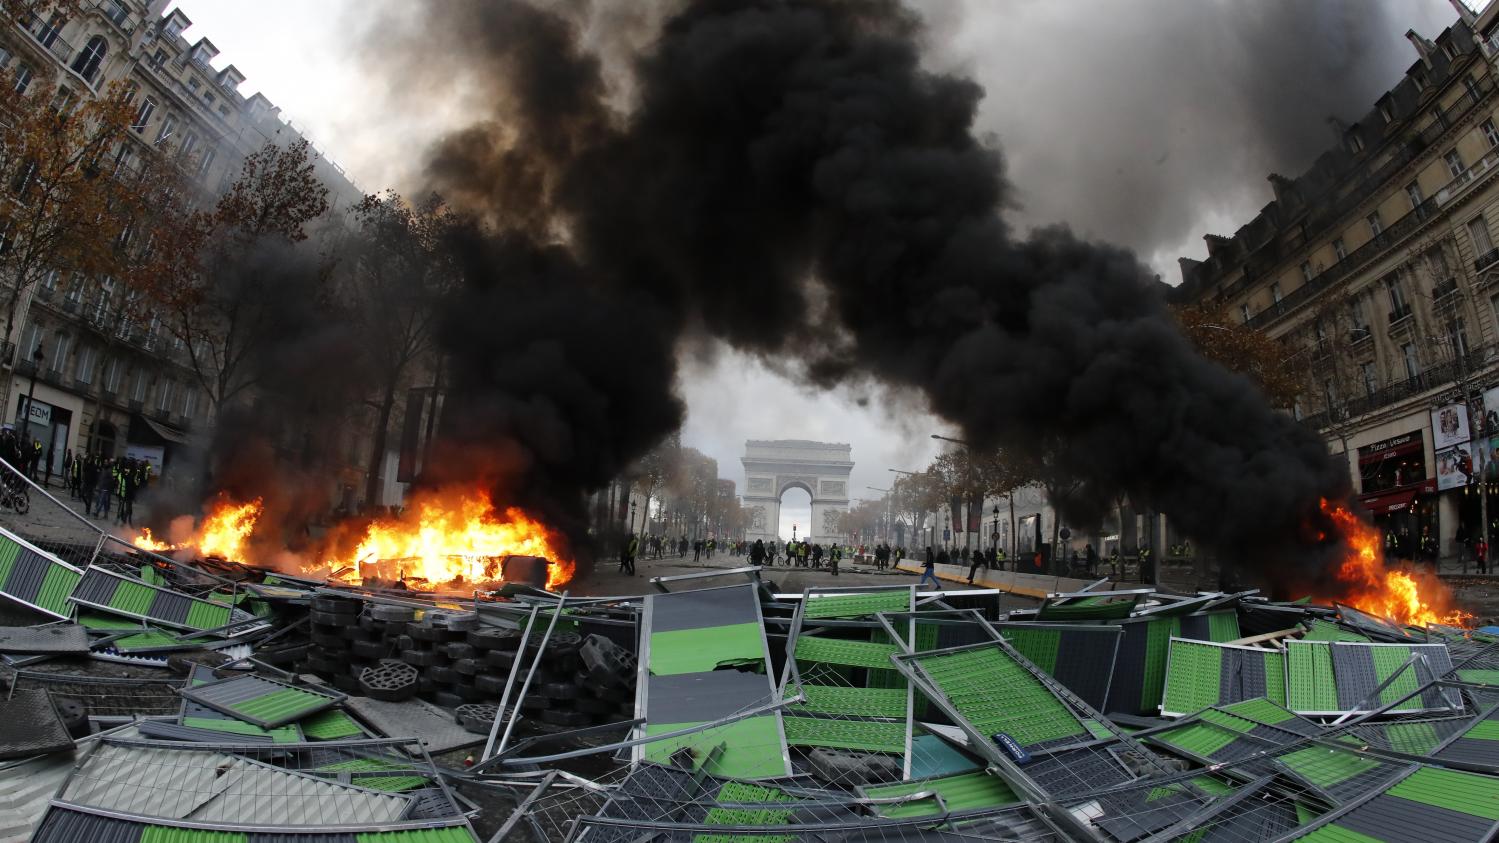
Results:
<point x="267" y="703"/>
<point x="452" y="541"/>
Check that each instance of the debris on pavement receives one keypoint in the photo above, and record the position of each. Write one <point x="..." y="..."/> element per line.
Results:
<point x="147" y="697"/>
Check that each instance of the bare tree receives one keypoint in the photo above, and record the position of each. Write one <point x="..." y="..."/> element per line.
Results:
<point x="395" y="273"/>
<point x="229" y="307"/>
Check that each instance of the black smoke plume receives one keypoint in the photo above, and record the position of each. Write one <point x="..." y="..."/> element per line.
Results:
<point x="790" y="179"/>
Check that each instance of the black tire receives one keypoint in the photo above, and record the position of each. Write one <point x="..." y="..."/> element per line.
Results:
<point x="338" y="619"/>
<point x="369" y="649"/>
<point x="492" y="686"/>
<point x="494" y="638"/>
<point x="446" y="699"/>
<point x="468" y="667"/>
<point x="460" y="650"/>
<point x="532" y="702"/>
<point x="423" y="658"/>
<point x="559" y="691"/>
<point x="346" y="683"/>
<point x="618" y="696"/>
<point x="329" y="641"/>
<point x="441" y="674"/>
<point x="392" y="614"/>
<point x="470" y="693"/>
<point x="355" y="633"/>
<point x="502" y="659"/>
<point x="337" y="605"/>
<point x="565" y="717"/>
<point x="21" y="502"/>
<point x="434" y="634"/>
<point x="324" y="665"/>
<point x="594" y="707"/>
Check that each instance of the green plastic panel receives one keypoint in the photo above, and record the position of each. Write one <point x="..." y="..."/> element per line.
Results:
<point x="1194" y="676"/>
<point x="1310" y="683"/>
<point x="865" y="735"/>
<point x="857" y="605"/>
<point x="837" y="651"/>
<point x="996" y="694"/>
<point x="1467" y="793"/>
<point x="856" y="702"/>
<point x="703" y="649"/>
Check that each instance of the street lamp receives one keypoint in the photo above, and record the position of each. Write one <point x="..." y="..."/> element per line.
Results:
<point x="793" y="531"/>
<point x="632" y="518"/>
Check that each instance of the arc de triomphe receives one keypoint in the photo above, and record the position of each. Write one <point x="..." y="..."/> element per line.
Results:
<point x="771" y="466"/>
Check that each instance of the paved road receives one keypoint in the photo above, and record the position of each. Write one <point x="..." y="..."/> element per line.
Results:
<point x="607" y="580"/>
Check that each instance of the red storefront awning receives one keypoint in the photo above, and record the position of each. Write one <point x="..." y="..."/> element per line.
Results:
<point x="1388" y="502"/>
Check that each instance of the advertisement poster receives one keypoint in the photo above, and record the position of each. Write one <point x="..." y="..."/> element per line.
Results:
<point x="1455" y="466"/>
<point x="1491" y="411"/>
<point x="1449" y="426"/>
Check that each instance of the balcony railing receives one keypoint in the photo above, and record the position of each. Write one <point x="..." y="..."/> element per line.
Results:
<point x="1439" y="375"/>
<point x="1336" y="208"/>
<point x="47" y="35"/>
<point x="1400" y="313"/>
<point x="1486" y="260"/>
<point x="1444" y="289"/>
<point x="1356" y="258"/>
<point x="116" y="14"/>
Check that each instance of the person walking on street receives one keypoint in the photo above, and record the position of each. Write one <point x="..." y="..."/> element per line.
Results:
<point x="627" y="554"/>
<point x="833" y="558"/>
<point x="1091" y="556"/>
<point x="1481" y="551"/>
<point x="125" y="488"/>
<point x="757" y="553"/>
<point x="929" y="570"/>
<point x="106" y="489"/>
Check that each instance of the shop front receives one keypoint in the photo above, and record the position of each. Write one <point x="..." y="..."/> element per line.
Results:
<point x="46" y="418"/>
<point x="1398" y="492"/>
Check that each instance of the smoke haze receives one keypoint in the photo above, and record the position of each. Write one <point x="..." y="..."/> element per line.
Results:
<point x="792" y="179"/>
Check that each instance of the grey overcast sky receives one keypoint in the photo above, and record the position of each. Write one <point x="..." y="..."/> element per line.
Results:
<point x="1144" y="122"/>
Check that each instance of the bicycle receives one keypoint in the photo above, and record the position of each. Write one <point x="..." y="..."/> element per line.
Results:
<point x="15" y="497"/>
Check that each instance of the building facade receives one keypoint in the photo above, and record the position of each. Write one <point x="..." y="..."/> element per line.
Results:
<point x="1377" y="272"/>
<point x="117" y="385"/>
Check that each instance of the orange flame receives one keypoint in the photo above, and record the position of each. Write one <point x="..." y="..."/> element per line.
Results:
<point x="455" y="537"/>
<point x="1408" y="597"/>
<point x="443" y="538"/>
<point x="146" y="541"/>
<point x="225" y="531"/>
<point x="227" y="528"/>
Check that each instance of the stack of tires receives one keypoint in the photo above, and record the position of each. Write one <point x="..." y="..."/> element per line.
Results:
<point x="341" y="647"/>
<point x="387" y="652"/>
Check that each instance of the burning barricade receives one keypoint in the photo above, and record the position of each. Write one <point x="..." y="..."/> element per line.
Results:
<point x="392" y="690"/>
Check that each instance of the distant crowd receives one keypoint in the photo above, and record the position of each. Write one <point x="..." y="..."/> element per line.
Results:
<point x="98" y="481"/>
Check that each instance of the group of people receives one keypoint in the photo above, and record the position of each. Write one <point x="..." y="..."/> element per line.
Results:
<point x="26" y="454"/>
<point x="803" y="554"/>
<point x="95" y="479"/>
